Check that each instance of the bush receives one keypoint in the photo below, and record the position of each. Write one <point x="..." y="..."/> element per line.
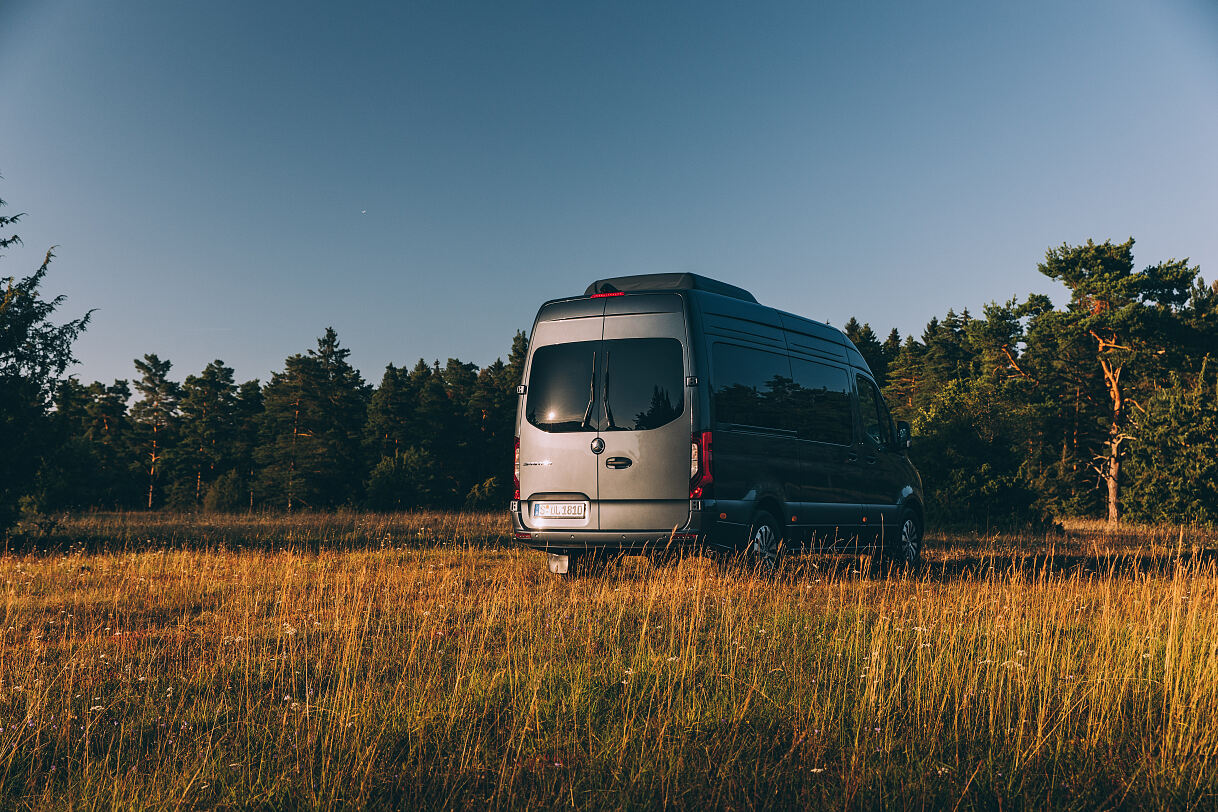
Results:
<point x="408" y="479"/>
<point x="230" y="493"/>
<point x="1173" y="457"/>
<point x="487" y="495"/>
<point x="967" y="450"/>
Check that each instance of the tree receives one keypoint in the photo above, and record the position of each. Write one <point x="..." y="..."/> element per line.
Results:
<point x="208" y="429"/>
<point x="870" y="348"/>
<point x="313" y="424"/>
<point x="516" y="359"/>
<point x="1173" y="460"/>
<point x="34" y="353"/>
<point x="391" y="414"/>
<point x="235" y="488"/>
<point x="155" y="414"/>
<point x="1126" y="319"/>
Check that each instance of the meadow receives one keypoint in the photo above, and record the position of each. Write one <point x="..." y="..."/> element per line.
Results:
<point x="421" y="660"/>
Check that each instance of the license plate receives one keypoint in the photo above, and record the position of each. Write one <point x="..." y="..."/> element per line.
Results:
<point x="559" y="510"/>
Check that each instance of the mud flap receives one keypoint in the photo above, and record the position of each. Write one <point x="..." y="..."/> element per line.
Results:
<point x="559" y="563"/>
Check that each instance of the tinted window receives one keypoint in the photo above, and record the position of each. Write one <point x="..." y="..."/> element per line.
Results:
<point x="876" y="423"/>
<point x="561" y="387"/>
<point x="820" y="403"/>
<point x="752" y="387"/>
<point x="644" y="383"/>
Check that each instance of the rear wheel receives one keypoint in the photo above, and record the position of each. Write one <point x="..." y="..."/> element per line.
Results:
<point x="906" y="545"/>
<point x="765" y="543"/>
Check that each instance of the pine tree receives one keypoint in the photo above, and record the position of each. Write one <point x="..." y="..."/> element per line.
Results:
<point x="315" y="411"/>
<point x="208" y="429"/>
<point x="155" y="414"/>
<point x="34" y="353"/>
<point x="1126" y="320"/>
<point x="391" y="411"/>
<point x="869" y="347"/>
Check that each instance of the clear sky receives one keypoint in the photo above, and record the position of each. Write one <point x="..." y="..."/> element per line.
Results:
<point x="226" y="179"/>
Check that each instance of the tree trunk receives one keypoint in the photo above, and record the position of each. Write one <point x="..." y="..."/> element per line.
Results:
<point x="1112" y="473"/>
<point x="152" y="467"/>
<point x="1111" y="470"/>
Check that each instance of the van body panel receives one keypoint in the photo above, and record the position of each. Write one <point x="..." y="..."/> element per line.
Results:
<point x="571" y="309"/>
<point x="640" y="303"/>
<point x="812" y="339"/>
<point x="755" y="461"/>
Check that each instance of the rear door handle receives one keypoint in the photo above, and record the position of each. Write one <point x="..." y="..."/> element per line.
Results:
<point x="618" y="462"/>
<point x="852" y="457"/>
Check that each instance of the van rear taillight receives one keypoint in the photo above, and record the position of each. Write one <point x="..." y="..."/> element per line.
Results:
<point x="516" y="470"/>
<point x="613" y="293"/>
<point x="700" y="477"/>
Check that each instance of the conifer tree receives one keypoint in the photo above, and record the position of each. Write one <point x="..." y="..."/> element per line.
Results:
<point x="869" y="347"/>
<point x="313" y="424"/>
<point x="391" y="415"/>
<point x="155" y="414"/>
<point x="1126" y="320"/>
<point x="208" y="429"/>
<point x="34" y="353"/>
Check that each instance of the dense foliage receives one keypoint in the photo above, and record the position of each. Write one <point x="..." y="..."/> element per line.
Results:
<point x="34" y="352"/>
<point x="316" y="436"/>
<point x="1026" y="413"/>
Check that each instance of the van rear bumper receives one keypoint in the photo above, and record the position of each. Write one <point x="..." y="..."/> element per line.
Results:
<point x="563" y="541"/>
<point x="641" y="541"/>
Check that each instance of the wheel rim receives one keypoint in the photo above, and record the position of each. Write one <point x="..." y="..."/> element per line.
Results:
<point x="910" y="540"/>
<point x="765" y="547"/>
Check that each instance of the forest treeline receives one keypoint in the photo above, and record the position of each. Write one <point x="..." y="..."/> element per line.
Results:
<point x="315" y="436"/>
<point x="1104" y="407"/>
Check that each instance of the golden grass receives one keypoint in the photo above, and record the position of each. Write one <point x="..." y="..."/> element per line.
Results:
<point x="410" y="660"/>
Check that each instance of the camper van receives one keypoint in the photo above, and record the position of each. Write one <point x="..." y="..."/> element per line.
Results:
<point x="671" y="410"/>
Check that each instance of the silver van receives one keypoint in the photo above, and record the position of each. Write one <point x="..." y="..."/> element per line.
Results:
<point x="673" y="409"/>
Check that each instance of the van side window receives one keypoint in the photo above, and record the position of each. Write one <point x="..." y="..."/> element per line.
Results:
<point x="820" y="403"/>
<point x="561" y="387"/>
<point x="752" y="387"/>
<point x="644" y="383"/>
<point x="876" y="423"/>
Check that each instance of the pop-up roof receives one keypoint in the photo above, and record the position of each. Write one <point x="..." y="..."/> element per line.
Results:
<point x="667" y="281"/>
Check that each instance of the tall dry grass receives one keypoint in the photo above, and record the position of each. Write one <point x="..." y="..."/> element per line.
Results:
<point x="350" y="661"/>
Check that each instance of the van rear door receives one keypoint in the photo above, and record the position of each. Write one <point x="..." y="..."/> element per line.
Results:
<point x="558" y="468"/>
<point x="646" y="418"/>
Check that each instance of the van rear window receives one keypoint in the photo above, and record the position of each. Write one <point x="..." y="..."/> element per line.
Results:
<point x="625" y="384"/>
<point x="562" y="392"/>
<point x="644" y="384"/>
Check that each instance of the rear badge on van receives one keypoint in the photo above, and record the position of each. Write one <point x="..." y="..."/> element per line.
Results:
<point x="559" y="510"/>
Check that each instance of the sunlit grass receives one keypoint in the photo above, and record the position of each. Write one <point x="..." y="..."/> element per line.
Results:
<point x="350" y="660"/>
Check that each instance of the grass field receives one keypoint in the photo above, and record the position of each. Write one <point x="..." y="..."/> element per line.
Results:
<point x="417" y="660"/>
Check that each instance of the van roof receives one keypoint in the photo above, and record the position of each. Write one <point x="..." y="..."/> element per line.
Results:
<point x="667" y="281"/>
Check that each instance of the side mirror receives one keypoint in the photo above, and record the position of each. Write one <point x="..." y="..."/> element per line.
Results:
<point x="904" y="436"/>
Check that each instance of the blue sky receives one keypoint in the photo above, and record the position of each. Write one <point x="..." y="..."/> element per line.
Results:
<point x="224" y="180"/>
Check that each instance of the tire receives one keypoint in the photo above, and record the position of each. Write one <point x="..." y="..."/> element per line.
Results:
<point x="905" y="548"/>
<point x="764" y="543"/>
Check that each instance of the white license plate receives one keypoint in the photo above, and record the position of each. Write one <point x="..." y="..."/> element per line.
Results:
<point x="559" y="510"/>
